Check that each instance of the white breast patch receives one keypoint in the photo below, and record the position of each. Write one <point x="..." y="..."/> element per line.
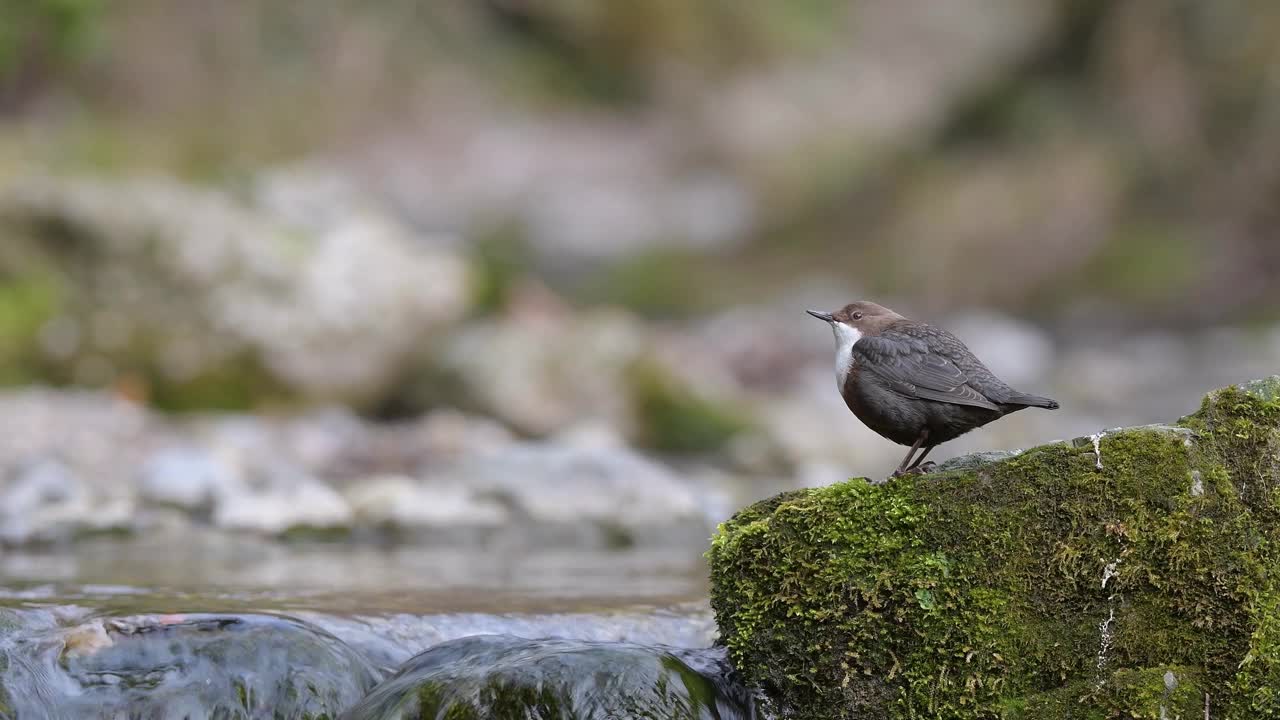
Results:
<point x="846" y="338"/>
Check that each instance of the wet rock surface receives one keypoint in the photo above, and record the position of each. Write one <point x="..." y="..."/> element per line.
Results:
<point x="197" y="666"/>
<point x="502" y="676"/>
<point x="391" y="639"/>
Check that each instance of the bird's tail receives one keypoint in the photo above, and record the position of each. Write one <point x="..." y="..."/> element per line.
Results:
<point x="1033" y="401"/>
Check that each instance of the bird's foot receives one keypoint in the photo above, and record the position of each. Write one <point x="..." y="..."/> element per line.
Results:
<point x="921" y="469"/>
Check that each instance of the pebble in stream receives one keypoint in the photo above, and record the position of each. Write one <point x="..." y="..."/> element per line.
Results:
<point x="499" y="676"/>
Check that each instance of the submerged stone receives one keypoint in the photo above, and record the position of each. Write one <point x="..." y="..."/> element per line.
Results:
<point x="181" y="666"/>
<point x="497" y="676"/>
<point x="1129" y="574"/>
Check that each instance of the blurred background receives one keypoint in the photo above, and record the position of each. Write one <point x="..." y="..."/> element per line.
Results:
<point x="508" y="294"/>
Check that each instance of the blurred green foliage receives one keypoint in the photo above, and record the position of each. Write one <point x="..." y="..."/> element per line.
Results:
<point x="46" y="31"/>
<point x="618" y="50"/>
<point x="675" y="419"/>
<point x="1147" y="262"/>
<point x="500" y="258"/>
<point x="240" y="383"/>
<point x="27" y="302"/>
<point x="658" y="283"/>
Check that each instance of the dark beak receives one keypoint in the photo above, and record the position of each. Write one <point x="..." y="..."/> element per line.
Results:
<point x="821" y="315"/>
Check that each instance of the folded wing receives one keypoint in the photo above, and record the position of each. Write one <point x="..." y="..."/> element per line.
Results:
<point x="906" y="364"/>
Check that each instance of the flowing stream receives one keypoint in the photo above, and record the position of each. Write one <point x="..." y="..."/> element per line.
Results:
<point x="213" y="626"/>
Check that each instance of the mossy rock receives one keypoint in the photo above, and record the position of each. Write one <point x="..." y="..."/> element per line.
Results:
<point x="1051" y="583"/>
<point x="1160" y="693"/>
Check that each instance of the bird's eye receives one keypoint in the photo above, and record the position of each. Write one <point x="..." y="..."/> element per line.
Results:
<point x="857" y="315"/>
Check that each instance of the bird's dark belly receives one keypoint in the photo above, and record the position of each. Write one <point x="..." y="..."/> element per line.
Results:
<point x="901" y="419"/>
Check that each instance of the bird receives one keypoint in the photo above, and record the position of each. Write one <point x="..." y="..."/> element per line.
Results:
<point x="913" y="383"/>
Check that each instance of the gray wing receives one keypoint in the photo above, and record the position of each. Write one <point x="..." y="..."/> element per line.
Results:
<point x="910" y="369"/>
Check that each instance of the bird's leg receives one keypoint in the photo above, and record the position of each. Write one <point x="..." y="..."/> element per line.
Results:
<point x="919" y="459"/>
<point x="902" y="466"/>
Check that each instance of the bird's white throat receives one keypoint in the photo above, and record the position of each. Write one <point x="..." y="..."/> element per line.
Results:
<point x="846" y="338"/>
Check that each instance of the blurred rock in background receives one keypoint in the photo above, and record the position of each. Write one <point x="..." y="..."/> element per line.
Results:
<point x="207" y="300"/>
<point x="455" y="267"/>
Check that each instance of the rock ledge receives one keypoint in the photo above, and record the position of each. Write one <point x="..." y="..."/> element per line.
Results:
<point x="1138" y="580"/>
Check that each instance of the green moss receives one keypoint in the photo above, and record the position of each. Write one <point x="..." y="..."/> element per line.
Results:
<point x="1160" y="693"/>
<point x="980" y="592"/>
<point x="1257" y="684"/>
<point x="673" y="418"/>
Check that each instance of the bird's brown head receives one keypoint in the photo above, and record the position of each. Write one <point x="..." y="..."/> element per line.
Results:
<point x="864" y="317"/>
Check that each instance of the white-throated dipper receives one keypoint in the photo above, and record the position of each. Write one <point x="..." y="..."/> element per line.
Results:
<point x="913" y="383"/>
